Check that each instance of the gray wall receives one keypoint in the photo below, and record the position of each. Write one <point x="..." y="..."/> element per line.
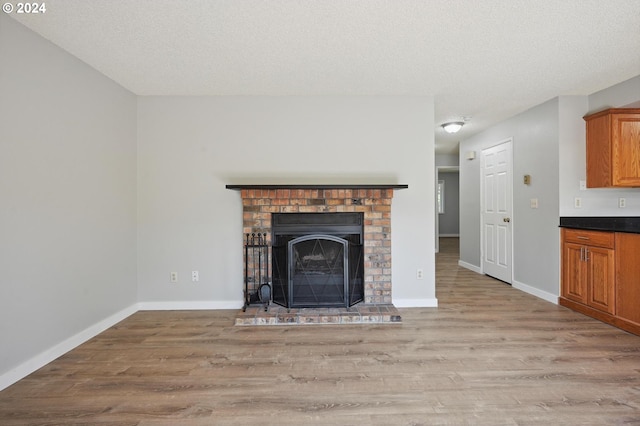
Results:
<point x="595" y="201"/>
<point x="446" y="160"/>
<point x="190" y="147"/>
<point x="625" y="94"/>
<point x="449" y="222"/>
<point x="68" y="191"/>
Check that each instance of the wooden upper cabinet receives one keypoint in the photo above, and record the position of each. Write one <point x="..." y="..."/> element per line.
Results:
<point x="613" y="148"/>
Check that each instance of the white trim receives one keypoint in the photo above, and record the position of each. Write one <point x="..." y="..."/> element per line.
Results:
<point x="190" y="306"/>
<point x="470" y="267"/>
<point x="415" y="303"/>
<point x="39" y="361"/>
<point x="549" y="297"/>
<point x="44" y="358"/>
<point x="440" y="196"/>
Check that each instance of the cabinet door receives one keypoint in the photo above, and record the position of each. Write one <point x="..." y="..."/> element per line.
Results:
<point x="601" y="278"/>
<point x="599" y="151"/>
<point x="574" y="270"/>
<point x="625" y="135"/>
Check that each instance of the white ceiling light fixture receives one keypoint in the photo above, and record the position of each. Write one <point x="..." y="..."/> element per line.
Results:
<point x="453" y="126"/>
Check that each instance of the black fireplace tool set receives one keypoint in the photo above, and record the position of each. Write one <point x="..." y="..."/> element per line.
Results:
<point x="257" y="288"/>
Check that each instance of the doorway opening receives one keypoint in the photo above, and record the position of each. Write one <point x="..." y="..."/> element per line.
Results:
<point x="447" y="205"/>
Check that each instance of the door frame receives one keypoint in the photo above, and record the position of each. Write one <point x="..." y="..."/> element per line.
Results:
<point x="482" y="190"/>
<point x="437" y="215"/>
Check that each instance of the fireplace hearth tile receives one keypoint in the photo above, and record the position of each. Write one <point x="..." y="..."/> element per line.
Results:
<point x="350" y="318"/>
<point x="358" y="314"/>
<point x="282" y="318"/>
<point x="329" y="319"/>
<point x="309" y="319"/>
<point x="371" y="318"/>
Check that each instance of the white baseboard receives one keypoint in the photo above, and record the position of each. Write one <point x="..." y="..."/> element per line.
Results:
<point x="39" y="361"/>
<point x="42" y="359"/>
<point x="553" y="298"/>
<point x="190" y="306"/>
<point x="415" y="303"/>
<point x="470" y="267"/>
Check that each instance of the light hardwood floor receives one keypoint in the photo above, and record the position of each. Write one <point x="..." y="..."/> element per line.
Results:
<point x="489" y="354"/>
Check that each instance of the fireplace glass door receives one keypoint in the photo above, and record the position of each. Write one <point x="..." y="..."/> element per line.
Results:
<point x="317" y="271"/>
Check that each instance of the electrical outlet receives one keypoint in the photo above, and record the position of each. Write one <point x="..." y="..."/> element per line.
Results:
<point x="622" y="203"/>
<point x="195" y="276"/>
<point x="419" y="274"/>
<point x="577" y="202"/>
<point x="173" y="277"/>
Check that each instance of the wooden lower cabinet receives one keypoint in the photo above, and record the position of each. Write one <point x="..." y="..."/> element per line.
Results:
<point x="601" y="276"/>
<point x="628" y="277"/>
<point x="588" y="268"/>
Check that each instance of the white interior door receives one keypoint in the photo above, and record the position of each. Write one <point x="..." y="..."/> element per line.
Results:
<point x="497" y="225"/>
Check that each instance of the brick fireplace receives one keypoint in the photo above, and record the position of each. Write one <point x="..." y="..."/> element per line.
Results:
<point x="373" y="201"/>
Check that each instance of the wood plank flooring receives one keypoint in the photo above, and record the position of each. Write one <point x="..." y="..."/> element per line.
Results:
<point x="488" y="355"/>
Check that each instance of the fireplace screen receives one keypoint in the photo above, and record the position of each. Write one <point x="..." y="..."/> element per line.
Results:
<point x="318" y="270"/>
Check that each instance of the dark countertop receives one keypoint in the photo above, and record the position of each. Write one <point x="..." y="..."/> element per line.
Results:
<point x="614" y="224"/>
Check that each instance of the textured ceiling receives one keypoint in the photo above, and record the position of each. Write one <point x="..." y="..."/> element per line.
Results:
<point x="484" y="59"/>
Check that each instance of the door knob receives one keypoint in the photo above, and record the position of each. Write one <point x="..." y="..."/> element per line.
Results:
<point x="506" y="219"/>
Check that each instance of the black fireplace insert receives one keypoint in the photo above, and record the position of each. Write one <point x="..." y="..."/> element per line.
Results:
<point x="317" y="259"/>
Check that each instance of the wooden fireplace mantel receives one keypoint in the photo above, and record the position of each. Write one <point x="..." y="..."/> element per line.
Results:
<point x="319" y="186"/>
